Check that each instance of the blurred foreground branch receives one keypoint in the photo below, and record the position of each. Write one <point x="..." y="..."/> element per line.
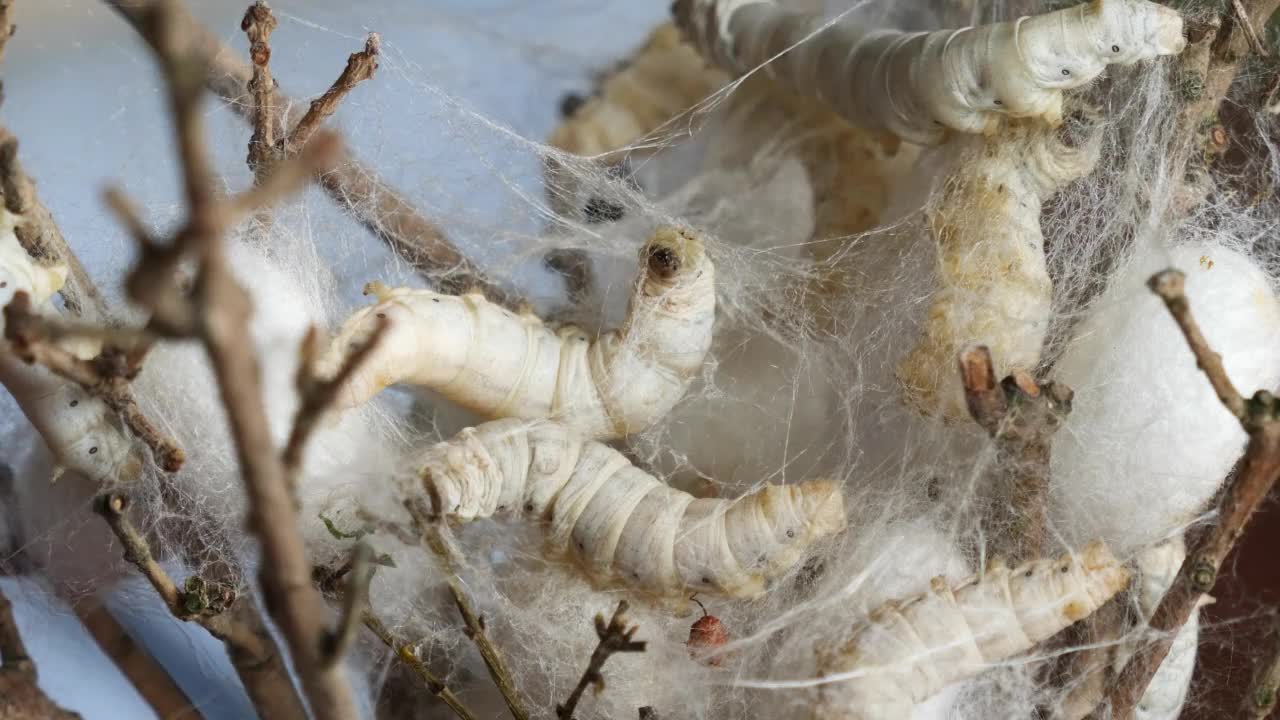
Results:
<point x="435" y="533"/>
<point x="1257" y="474"/>
<point x="615" y="637"/>
<point x="20" y="697"/>
<point x="217" y="312"/>
<point x="146" y="675"/>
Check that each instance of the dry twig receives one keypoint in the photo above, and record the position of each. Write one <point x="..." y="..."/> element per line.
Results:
<point x="354" y="601"/>
<point x="258" y="23"/>
<point x="107" y="376"/>
<point x="435" y="532"/>
<point x="405" y="653"/>
<point x="360" y="67"/>
<point x="615" y="637"/>
<point x="217" y="313"/>
<point x="20" y="697"/>
<point x="1257" y="474"/>
<point x="146" y="675"/>
<point x="249" y="644"/>
<point x="380" y="208"/>
<point x="1022" y="418"/>
<point x="318" y="395"/>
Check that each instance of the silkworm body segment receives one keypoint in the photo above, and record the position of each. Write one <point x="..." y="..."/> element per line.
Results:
<point x="502" y="364"/>
<point x="919" y="84"/>
<point x="908" y="650"/>
<point x="993" y="285"/>
<point x="81" y="431"/>
<point x="621" y="524"/>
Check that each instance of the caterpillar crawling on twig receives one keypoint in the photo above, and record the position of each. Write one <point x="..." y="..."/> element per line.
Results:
<point x="993" y="285"/>
<point x="621" y="523"/>
<point x="919" y="84"/>
<point x="908" y="650"/>
<point x="83" y="434"/>
<point x="500" y="364"/>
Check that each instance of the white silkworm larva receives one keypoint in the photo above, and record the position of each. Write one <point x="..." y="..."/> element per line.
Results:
<point x="993" y="286"/>
<point x="907" y="651"/>
<point x="500" y="364"/>
<point x="82" y="432"/>
<point x="918" y="84"/>
<point x="663" y="79"/>
<point x="619" y="522"/>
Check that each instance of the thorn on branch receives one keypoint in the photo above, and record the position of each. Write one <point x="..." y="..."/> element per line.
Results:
<point x="615" y="637"/>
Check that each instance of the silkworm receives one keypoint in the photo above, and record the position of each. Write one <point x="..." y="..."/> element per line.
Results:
<point x="993" y="286"/>
<point x="665" y="77"/>
<point x="919" y="84"/>
<point x="500" y="364"/>
<point x="83" y="434"/>
<point x="908" y="650"/>
<point x="621" y="524"/>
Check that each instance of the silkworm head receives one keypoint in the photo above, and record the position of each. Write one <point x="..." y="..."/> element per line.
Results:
<point x="1107" y="575"/>
<point x="1127" y="31"/>
<point x="672" y="254"/>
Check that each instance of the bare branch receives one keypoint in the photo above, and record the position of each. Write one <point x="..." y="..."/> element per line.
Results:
<point x="615" y="637"/>
<point x="113" y="508"/>
<point x="381" y="209"/>
<point x="1257" y="474"/>
<point x="1022" y="417"/>
<point x="318" y="395"/>
<point x="7" y="28"/>
<point x="435" y="532"/>
<point x="106" y="376"/>
<point x="146" y="675"/>
<point x="39" y="235"/>
<point x="405" y="653"/>
<point x="221" y="309"/>
<point x="1170" y="285"/>
<point x="258" y="23"/>
<point x="353" y="604"/>
<point x="20" y="697"/>
<point x="360" y="67"/>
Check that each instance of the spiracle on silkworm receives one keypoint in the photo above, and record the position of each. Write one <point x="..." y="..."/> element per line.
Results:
<point x="908" y="650"/>
<point x="620" y="523"/>
<point x="919" y="84"/>
<point x="501" y="364"/>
